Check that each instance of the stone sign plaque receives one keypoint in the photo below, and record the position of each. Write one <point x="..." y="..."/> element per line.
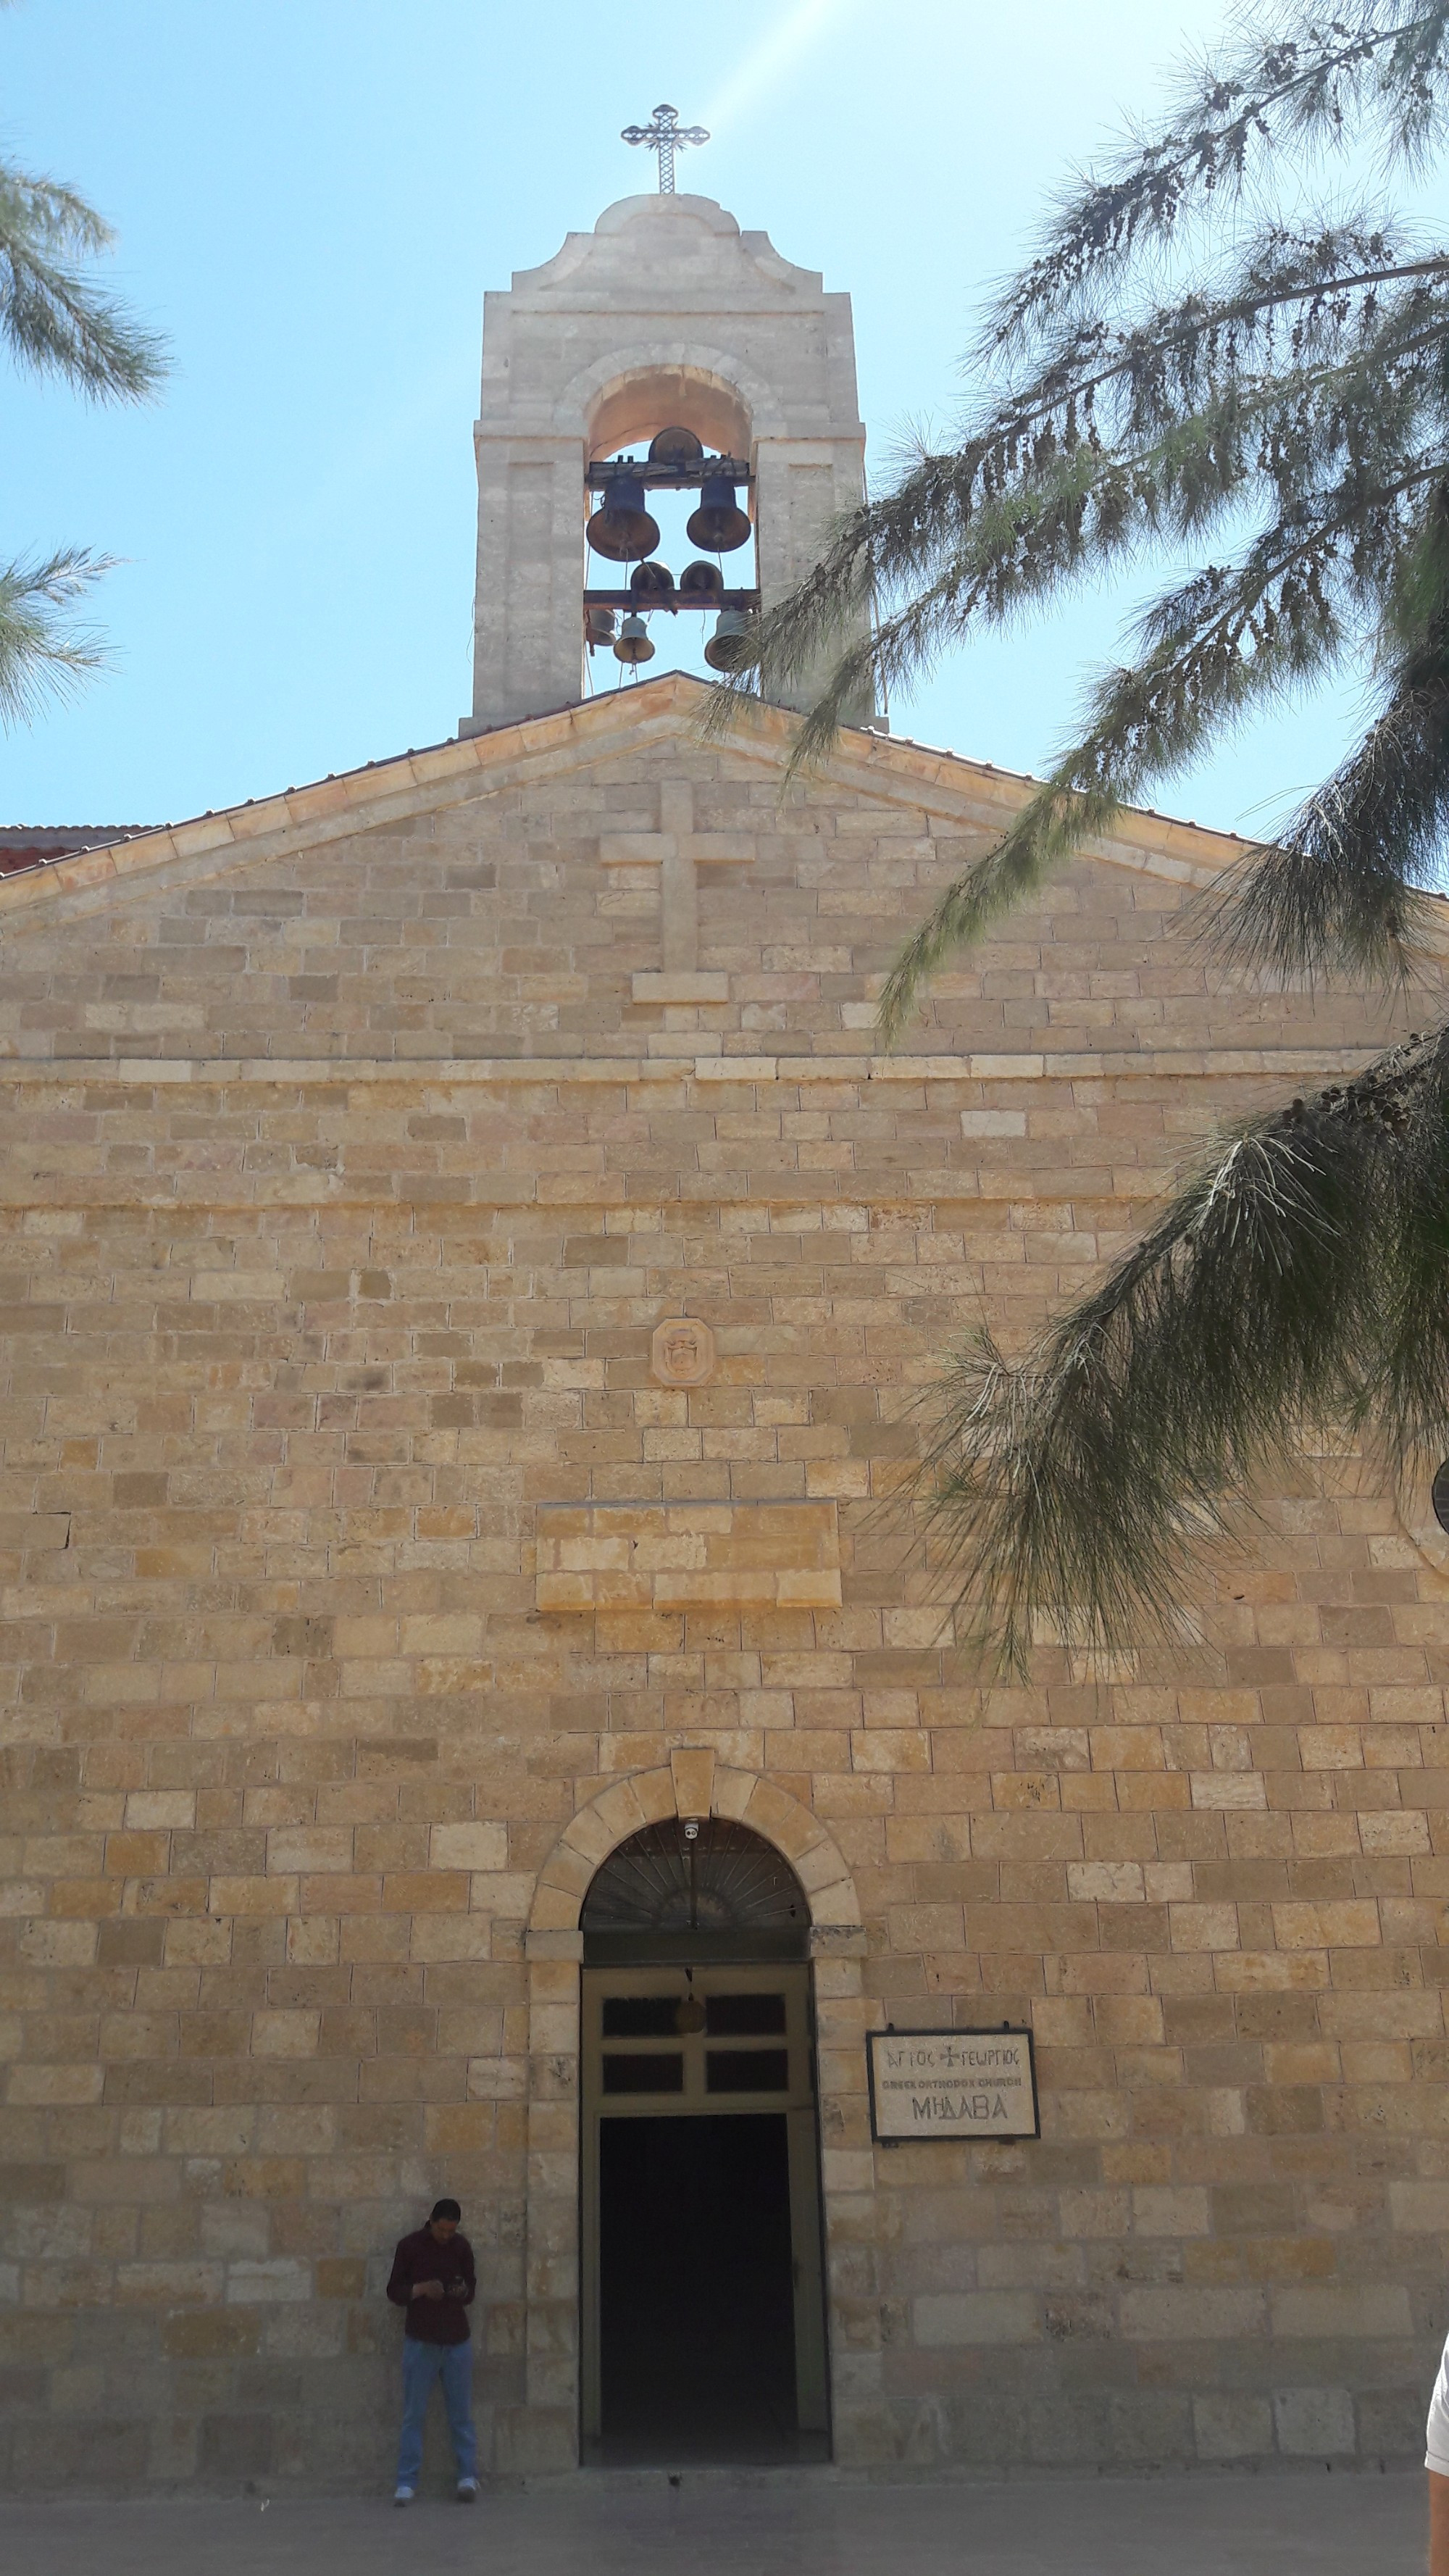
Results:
<point x="682" y="1352"/>
<point x="952" y="2084"/>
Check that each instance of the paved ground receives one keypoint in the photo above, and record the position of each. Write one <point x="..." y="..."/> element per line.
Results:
<point x="612" y="2525"/>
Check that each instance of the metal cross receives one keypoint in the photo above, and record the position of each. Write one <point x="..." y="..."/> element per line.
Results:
<point x="664" y="135"/>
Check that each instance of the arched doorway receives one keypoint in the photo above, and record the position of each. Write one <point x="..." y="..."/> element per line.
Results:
<point x="702" y="2289"/>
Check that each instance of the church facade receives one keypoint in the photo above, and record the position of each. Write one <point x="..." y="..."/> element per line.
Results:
<point x="477" y="1711"/>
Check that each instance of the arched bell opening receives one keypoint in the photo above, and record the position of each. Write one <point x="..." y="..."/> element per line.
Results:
<point x="702" y="2282"/>
<point x="694" y="1890"/>
<point x="632" y="411"/>
<point x="669" y="535"/>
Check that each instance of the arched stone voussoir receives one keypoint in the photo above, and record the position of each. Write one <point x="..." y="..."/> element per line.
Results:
<point x="649" y="1797"/>
<point x="838" y="1905"/>
<point x="783" y="1821"/>
<point x="655" y="1793"/>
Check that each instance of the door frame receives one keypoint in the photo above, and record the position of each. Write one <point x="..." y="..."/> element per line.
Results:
<point x="798" y="2105"/>
<point x="537" y="2434"/>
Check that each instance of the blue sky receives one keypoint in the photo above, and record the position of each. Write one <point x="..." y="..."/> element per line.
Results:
<point x="311" y="198"/>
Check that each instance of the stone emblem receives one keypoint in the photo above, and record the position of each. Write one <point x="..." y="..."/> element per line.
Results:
<point x="682" y="1352"/>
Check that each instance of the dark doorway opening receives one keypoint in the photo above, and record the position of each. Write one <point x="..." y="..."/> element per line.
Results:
<point x="701" y="2278"/>
<point x="696" y="2316"/>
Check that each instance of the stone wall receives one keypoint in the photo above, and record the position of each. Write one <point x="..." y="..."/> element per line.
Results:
<point x="344" y="1180"/>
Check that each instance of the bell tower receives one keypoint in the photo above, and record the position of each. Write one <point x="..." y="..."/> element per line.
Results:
<point x="723" y="369"/>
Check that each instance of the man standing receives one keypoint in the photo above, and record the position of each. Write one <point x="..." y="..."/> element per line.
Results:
<point x="434" y="2280"/>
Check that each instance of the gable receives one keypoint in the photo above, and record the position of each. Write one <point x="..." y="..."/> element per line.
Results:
<point x="606" y="881"/>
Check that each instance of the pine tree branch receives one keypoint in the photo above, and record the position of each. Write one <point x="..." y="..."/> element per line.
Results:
<point x="55" y="320"/>
<point x="1315" y="77"/>
<point x="1298" y="1278"/>
<point x="1225" y="642"/>
<point x="42" y="654"/>
<point x="1343" y="886"/>
<point x="1011" y="518"/>
<point x="1075" y="375"/>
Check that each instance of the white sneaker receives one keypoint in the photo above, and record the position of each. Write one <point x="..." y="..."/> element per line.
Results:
<point x="467" y="2491"/>
<point x="402" y="2495"/>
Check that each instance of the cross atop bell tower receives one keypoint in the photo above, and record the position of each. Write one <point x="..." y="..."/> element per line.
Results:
<point x="666" y="136"/>
<point x="665" y="318"/>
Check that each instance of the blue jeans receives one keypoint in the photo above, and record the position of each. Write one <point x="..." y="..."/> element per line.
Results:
<point x="422" y="2364"/>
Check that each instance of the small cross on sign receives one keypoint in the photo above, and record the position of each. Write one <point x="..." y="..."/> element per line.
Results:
<point x="665" y="135"/>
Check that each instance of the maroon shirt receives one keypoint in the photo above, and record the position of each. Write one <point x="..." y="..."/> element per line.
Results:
<point x="421" y="2258"/>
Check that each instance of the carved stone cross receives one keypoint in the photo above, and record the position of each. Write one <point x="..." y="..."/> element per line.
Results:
<point x="679" y="852"/>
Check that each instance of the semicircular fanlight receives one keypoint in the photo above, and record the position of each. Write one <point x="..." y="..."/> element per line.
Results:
<point x="723" y="1879"/>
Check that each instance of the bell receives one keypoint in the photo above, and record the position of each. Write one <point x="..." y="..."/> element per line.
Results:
<point x="675" y="447"/>
<point x="652" y="585"/>
<point x="598" y="626"/>
<point x="719" y="523"/>
<point x="725" y="649"/>
<point x="633" y="644"/>
<point x="621" y="527"/>
<point x="701" y="581"/>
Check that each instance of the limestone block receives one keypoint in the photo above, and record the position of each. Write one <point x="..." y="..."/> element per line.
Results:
<point x="771" y="1811"/>
<point x="1314" y="2422"/>
<point x="1419" y="2208"/>
<point x="848" y="2170"/>
<point x="497" y="2079"/>
<point x="435" y="1938"/>
<point x="655" y="1793"/>
<point x="470" y="1847"/>
<point x="733" y="1791"/>
<point x="60" y="2086"/>
<point x="567" y="1869"/>
<point x="1342" y="2308"/>
<point x="1227" y="2427"/>
<point x="554" y="1909"/>
<point x="620" y="1812"/>
<point x="835" y="1906"/>
<point x="590" y="1837"/>
<point x="211" y="2334"/>
<point x="1161" y="2315"/>
<point x="261" y="2283"/>
<point x="680" y="987"/>
<point x="535" y="2441"/>
<point x="945" y="2319"/>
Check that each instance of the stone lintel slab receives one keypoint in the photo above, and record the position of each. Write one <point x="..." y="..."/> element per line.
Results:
<point x="667" y="1556"/>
